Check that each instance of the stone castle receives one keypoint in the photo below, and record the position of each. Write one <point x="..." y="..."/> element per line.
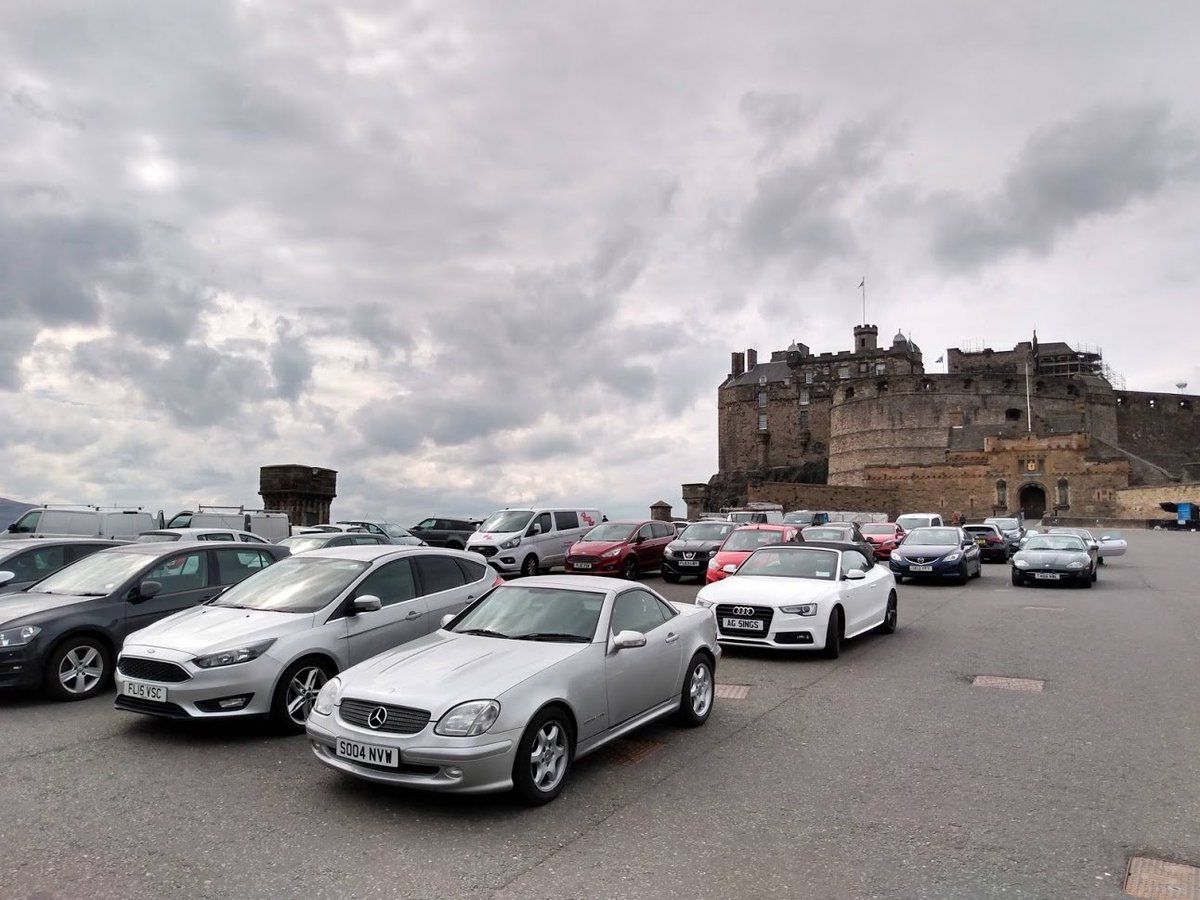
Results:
<point x="1038" y="429"/>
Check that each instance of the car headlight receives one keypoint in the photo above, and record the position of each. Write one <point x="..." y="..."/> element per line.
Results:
<point x="1020" y="564"/>
<point x="703" y="602"/>
<point x="327" y="697"/>
<point x="609" y="554"/>
<point x="953" y="557"/>
<point x="469" y="719"/>
<point x="19" y="637"/>
<point x="511" y="544"/>
<point x="1078" y="564"/>
<point x="802" y="609"/>
<point x="712" y="564"/>
<point x="234" y="656"/>
<point x="669" y="552"/>
<point x="897" y="556"/>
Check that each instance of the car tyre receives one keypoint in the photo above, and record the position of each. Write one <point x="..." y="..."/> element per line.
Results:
<point x="891" y="617"/>
<point x="963" y="573"/>
<point x="699" y="690"/>
<point x="670" y="577"/>
<point x="1095" y="573"/>
<point x="833" y="635"/>
<point x="296" y="692"/>
<point x="530" y="565"/>
<point x="629" y="568"/>
<point x="544" y="757"/>
<point x="1016" y="579"/>
<point x="79" y="668"/>
<point x="978" y="569"/>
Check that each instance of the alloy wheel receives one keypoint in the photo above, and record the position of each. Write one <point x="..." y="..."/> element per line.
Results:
<point x="302" y="692"/>
<point x="701" y="690"/>
<point x="81" y="669"/>
<point x="548" y="758"/>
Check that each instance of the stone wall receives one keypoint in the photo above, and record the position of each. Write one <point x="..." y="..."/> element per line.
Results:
<point x="827" y="496"/>
<point x="1162" y="428"/>
<point x="1142" y="502"/>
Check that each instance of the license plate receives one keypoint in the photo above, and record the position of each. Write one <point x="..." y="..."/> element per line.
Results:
<point x="579" y="565"/>
<point x="1048" y="576"/>
<point x="366" y="753"/>
<point x="982" y="542"/>
<point x="688" y="562"/>
<point x="921" y="568"/>
<point x="143" y="691"/>
<point x="743" y="624"/>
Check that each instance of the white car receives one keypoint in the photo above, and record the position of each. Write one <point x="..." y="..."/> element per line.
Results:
<point x="163" y="535"/>
<point x="267" y="645"/>
<point x="802" y="597"/>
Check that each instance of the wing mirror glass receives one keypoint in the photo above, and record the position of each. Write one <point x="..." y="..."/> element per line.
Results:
<point x="146" y="590"/>
<point x="729" y="569"/>
<point x="855" y="575"/>
<point x="366" y="603"/>
<point x="624" y="640"/>
<point x="6" y="577"/>
<point x="534" y="529"/>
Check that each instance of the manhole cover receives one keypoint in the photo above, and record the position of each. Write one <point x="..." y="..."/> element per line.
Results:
<point x="631" y="751"/>
<point x="1158" y="879"/>
<point x="1029" y="685"/>
<point x="733" y="691"/>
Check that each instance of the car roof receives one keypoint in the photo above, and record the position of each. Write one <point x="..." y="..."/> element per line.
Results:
<point x="158" y="548"/>
<point x="766" y="526"/>
<point x="593" y="583"/>
<point x="187" y="531"/>
<point x="371" y="552"/>
<point x="820" y="545"/>
<point x="26" y="543"/>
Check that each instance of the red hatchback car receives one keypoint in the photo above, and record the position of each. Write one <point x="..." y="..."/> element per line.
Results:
<point x="884" y="537"/>
<point x="745" y="540"/>
<point x="620" y="548"/>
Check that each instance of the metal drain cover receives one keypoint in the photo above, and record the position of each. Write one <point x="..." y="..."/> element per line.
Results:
<point x="1028" y="685"/>
<point x="631" y="751"/>
<point x="1158" y="879"/>
<point x="732" y="691"/>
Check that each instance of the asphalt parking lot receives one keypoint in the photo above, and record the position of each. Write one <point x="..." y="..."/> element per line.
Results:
<point x="886" y="773"/>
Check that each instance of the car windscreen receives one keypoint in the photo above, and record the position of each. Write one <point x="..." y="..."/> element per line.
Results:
<point x="98" y="574"/>
<point x="1078" y="532"/>
<point x="396" y="531"/>
<point x="910" y="522"/>
<point x="706" y="531"/>
<point x="933" y="537"/>
<point x="157" y="537"/>
<point x="877" y="529"/>
<point x="298" y="584"/>
<point x="1004" y="524"/>
<point x="1056" y="542"/>
<point x="533" y="613"/>
<point x="979" y="529"/>
<point x="506" y="520"/>
<point x="826" y="534"/>
<point x="302" y="543"/>
<point x="752" y="539"/>
<point x="611" y="531"/>
<point x="788" y="562"/>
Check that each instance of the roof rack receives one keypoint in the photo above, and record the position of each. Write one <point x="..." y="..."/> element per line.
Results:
<point x="207" y="507"/>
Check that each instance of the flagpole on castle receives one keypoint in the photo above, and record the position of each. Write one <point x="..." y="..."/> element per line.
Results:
<point x="863" y="284"/>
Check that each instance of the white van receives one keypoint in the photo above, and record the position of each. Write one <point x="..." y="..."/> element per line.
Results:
<point x="531" y="540"/>
<point x="113" y="523"/>
<point x="270" y="524"/>
<point x="909" y="521"/>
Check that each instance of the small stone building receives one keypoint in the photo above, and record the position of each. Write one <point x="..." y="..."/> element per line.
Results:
<point x="305" y="493"/>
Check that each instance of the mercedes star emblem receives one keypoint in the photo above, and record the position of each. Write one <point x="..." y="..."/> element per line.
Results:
<point x="377" y="718"/>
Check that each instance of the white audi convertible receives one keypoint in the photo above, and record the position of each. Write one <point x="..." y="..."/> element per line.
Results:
<point x="808" y="596"/>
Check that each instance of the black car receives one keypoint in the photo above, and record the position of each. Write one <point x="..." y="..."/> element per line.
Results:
<point x="687" y="556"/>
<point x="993" y="544"/>
<point x="63" y="633"/>
<point x="439" y="531"/>
<point x="841" y="533"/>
<point x="28" y="561"/>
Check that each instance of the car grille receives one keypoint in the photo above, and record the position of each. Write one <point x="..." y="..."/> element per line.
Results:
<point x="484" y="550"/>
<point x="400" y="719"/>
<point x="151" y="669"/>
<point x="701" y="555"/>
<point x="761" y="613"/>
<point x="581" y="559"/>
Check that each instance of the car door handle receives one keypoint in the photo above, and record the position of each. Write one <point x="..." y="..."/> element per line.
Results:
<point x="672" y="637"/>
<point x="412" y="614"/>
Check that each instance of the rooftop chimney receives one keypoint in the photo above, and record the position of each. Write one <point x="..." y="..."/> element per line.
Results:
<point x="737" y="364"/>
<point x="751" y="359"/>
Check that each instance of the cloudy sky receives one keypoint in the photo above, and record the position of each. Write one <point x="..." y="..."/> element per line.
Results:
<point x="482" y="254"/>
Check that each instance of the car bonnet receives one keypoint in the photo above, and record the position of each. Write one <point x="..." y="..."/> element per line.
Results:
<point x="206" y="628"/>
<point x="24" y="608"/>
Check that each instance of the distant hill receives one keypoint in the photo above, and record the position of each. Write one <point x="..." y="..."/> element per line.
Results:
<point x="9" y="510"/>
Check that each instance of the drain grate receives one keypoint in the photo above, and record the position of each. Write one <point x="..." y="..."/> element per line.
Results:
<point x="1028" y="685"/>
<point x="631" y="751"/>
<point x="1158" y="879"/>
<point x="732" y="691"/>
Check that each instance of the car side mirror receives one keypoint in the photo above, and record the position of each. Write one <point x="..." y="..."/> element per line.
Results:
<point x="855" y="575"/>
<point x="446" y="620"/>
<point x="625" y="640"/>
<point x="729" y="568"/>
<point x="12" y="528"/>
<point x="366" y="603"/>
<point x="534" y="529"/>
<point x="639" y="538"/>
<point x="6" y="577"/>
<point x="146" y="590"/>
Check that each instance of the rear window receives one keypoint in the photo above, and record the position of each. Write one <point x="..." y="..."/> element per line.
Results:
<point x="752" y="539"/>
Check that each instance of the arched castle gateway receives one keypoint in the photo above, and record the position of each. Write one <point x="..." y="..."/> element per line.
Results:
<point x="1038" y="428"/>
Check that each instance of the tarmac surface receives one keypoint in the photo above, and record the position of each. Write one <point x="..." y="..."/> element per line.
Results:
<point x="885" y="774"/>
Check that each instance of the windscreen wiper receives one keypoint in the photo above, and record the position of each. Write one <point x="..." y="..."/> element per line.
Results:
<point x="485" y="632"/>
<point x="552" y="636"/>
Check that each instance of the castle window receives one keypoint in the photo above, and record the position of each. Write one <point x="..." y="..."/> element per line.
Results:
<point x="762" y="422"/>
<point x="881" y="385"/>
<point x="804" y="396"/>
<point x="762" y="399"/>
<point x="849" y="395"/>
<point x="926" y="384"/>
<point x="808" y="376"/>
<point x="1002" y="494"/>
<point x="967" y="382"/>
<point x="880" y="368"/>
<point x="844" y="372"/>
<point x="1064" y="494"/>
<point x="863" y="367"/>
<point x="1185" y="404"/>
<point x="1153" y="402"/>
<point x="804" y="419"/>
<point x="1012" y="415"/>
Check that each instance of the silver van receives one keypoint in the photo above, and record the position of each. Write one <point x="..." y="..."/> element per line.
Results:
<point x="529" y="541"/>
<point x="113" y="523"/>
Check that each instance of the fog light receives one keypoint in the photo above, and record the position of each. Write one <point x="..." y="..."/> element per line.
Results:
<point x="224" y="704"/>
<point x="453" y="772"/>
<point x="232" y="702"/>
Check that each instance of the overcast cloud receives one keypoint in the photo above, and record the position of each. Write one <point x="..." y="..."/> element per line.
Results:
<point x="479" y="254"/>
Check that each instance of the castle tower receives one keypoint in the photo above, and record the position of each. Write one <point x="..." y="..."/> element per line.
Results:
<point x="866" y="337"/>
<point x="305" y="493"/>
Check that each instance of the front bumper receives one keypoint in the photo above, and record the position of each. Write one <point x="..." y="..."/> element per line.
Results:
<point x="427" y="761"/>
<point x="1053" y="576"/>
<point x="686" y="568"/>
<point x="937" y="569"/>
<point x="21" y="668"/>
<point x="197" y="697"/>
<point x="594" y="565"/>
<point x="784" y="631"/>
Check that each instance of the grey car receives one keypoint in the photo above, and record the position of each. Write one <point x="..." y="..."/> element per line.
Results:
<point x="1055" y="559"/>
<point x="442" y="531"/>
<point x="23" y="562"/>
<point x="509" y="693"/>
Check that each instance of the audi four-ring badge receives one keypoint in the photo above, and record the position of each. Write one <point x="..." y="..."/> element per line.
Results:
<point x="507" y="695"/>
<point x="809" y="596"/>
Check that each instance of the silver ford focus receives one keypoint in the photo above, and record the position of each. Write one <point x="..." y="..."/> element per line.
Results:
<point x="509" y="693"/>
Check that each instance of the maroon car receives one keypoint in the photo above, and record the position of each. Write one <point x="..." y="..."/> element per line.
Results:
<point x="620" y="548"/>
<point x="884" y="536"/>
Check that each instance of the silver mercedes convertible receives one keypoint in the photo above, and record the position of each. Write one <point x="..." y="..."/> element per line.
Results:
<point x="509" y="693"/>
